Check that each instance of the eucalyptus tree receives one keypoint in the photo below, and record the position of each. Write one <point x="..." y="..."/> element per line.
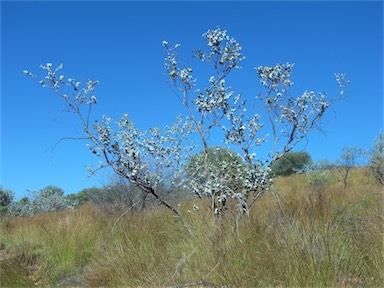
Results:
<point x="154" y="158"/>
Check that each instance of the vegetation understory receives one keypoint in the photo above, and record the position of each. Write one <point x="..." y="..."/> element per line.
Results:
<point x="302" y="238"/>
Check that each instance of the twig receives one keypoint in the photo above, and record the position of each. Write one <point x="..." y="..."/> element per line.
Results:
<point x="213" y="269"/>
<point x="181" y="263"/>
<point x="67" y="138"/>
<point x="114" y="225"/>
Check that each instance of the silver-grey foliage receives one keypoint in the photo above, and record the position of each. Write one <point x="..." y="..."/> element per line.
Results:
<point x="319" y="175"/>
<point x="376" y="161"/>
<point x="156" y="157"/>
<point x="48" y="199"/>
<point x="218" y="107"/>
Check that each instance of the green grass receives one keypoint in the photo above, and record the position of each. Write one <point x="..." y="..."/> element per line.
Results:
<point x="335" y="240"/>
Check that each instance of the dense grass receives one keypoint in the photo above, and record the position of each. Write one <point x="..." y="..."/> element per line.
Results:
<point x="300" y="239"/>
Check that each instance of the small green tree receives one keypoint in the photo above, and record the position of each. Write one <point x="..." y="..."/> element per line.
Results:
<point x="6" y="198"/>
<point x="290" y="163"/>
<point x="83" y="196"/>
<point x="376" y="161"/>
<point x="348" y="160"/>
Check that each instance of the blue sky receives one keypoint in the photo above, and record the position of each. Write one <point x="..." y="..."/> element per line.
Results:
<point x="119" y="44"/>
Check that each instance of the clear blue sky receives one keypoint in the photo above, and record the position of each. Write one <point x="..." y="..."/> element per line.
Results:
<point x="119" y="43"/>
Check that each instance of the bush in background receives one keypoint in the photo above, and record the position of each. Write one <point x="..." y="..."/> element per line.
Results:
<point x="319" y="176"/>
<point x="6" y="198"/>
<point x="376" y="161"/>
<point x="291" y="162"/>
<point x="83" y="196"/>
<point x="48" y="199"/>
<point x="349" y="159"/>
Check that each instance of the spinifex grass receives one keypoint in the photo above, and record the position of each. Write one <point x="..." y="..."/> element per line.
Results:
<point x="57" y="244"/>
<point x="300" y="239"/>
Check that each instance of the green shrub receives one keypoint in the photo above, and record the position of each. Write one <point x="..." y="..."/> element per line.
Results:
<point x="290" y="163"/>
<point x="6" y="198"/>
<point x="376" y="161"/>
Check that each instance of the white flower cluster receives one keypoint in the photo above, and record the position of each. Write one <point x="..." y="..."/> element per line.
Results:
<point x="293" y="117"/>
<point x="273" y="78"/>
<point x="67" y="88"/>
<point x="341" y="80"/>
<point x="175" y="73"/>
<point x="148" y="158"/>
<point x="258" y="179"/>
<point x="215" y="98"/>
<point x="224" y="51"/>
